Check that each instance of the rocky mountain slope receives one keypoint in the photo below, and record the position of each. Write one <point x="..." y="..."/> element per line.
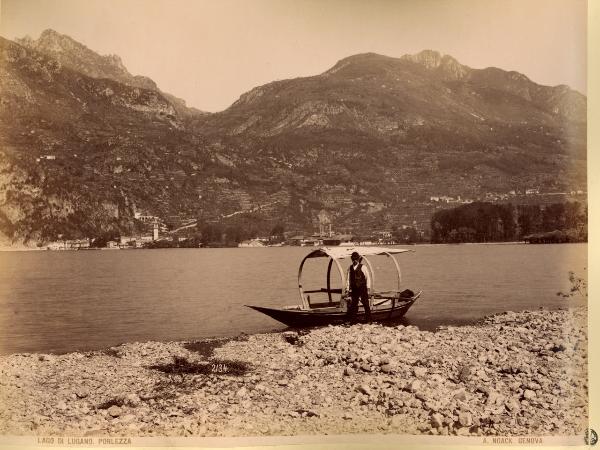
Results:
<point x="373" y="138"/>
<point x="66" y="140"/>
<point x="74" y="55"/>
<point x="77" y="56"/>
<point x="84" y="144"/>
<point x="389" y="97"/>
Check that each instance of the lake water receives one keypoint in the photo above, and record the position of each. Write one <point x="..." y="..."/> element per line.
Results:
<point x="65" y="301"/>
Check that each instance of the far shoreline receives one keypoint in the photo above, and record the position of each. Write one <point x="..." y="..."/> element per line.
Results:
<point x="419" y="244"/>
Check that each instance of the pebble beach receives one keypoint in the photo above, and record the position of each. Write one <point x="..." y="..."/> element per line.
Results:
<point x="512" y="374"/>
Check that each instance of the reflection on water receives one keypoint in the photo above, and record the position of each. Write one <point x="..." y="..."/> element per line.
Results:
<point x="64" y="301"/>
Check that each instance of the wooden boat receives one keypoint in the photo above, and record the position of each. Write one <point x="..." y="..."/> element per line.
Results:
<point x="385" y="305"/>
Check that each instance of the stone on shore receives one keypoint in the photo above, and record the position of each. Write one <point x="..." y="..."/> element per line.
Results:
<point x="114" y="411"/>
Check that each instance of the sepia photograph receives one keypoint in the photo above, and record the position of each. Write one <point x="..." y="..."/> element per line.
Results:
<point x="271" y="222"/>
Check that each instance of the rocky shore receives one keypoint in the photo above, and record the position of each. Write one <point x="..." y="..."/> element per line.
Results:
<point x="519" y="373"/>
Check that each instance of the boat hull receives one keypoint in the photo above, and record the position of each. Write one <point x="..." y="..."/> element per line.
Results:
<point x="297" y="318"/>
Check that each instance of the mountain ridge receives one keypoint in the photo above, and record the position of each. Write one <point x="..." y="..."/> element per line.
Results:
<point x="424" y="124"/>
<point x="79" y="57"/>
<point x="398" y="95"/>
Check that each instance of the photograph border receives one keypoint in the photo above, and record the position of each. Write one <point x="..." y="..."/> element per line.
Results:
<point x="390" y="441"/>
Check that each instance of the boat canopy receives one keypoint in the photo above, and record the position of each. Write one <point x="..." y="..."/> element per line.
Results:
<point x="335" y="254"/>
<point x="345" y="252"/>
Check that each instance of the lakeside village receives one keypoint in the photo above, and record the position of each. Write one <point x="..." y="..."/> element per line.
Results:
<point x="534" y="223"/>
<point x="158" y="235"/>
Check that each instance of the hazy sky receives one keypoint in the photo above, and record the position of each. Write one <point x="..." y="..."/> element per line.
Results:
<point x="209" y="52"/>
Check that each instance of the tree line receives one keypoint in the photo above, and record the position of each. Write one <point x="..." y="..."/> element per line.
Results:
<point x="489" y="222"/>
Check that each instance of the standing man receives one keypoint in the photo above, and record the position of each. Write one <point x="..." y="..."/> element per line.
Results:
<point x="358" y="283"/>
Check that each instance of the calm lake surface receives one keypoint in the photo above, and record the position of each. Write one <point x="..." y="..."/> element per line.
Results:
<point x="66" y="301"/>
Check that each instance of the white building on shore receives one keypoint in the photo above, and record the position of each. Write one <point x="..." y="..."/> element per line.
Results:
<point x="252" y="243"/>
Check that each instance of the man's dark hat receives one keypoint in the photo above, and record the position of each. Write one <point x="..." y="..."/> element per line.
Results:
<point x="354" y="256"/>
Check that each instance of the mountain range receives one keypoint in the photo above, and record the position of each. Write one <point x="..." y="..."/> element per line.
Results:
<point x="85" y="147"/>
